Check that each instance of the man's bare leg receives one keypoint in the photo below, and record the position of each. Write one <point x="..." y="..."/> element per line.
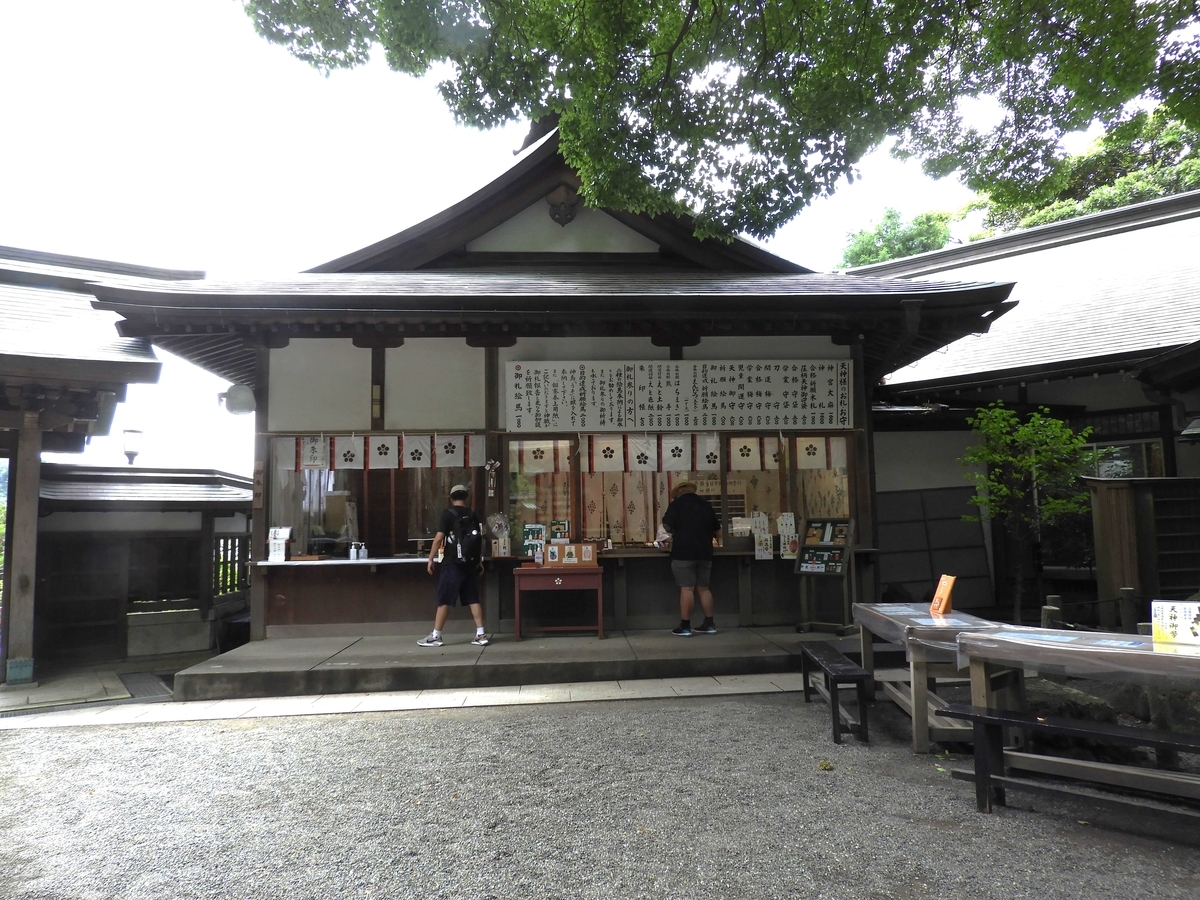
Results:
<point x="686" y="601"/>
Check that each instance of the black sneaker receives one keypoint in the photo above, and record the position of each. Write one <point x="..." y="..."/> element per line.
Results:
<point x="682" y="632"/>
<point x="706" y="628"/>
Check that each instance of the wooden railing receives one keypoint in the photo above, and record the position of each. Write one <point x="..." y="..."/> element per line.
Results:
<point x="230" y="564"/>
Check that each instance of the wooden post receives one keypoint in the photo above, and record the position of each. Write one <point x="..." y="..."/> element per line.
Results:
<point x="208" y="563"/>
<point x="1129" y="616"/>
<point x="261" y="514"/>
<point x="1052" y="615"/>
<point x="22" y="568"/>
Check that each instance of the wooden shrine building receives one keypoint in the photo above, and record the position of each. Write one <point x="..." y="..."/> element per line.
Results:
<point x="571" y="364"/>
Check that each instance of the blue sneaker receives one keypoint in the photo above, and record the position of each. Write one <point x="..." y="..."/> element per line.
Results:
<point x="708" y="628"/>
<point x="682" y="632"/>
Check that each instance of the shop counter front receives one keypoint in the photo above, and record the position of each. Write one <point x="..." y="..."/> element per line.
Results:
<point x="396" y="595"/>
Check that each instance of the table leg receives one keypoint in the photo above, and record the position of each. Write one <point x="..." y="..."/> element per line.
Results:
<point x="516" y="609"/>
<point x="600" y="612"/>
<point x="866" y="642"/>
<point x="918" y="673"/>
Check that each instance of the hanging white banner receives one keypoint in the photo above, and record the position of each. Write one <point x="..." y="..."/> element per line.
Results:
<point x="643" y="452"/>
<point x="745" y="454"/>
<point x="348" y="452"/>
<point x="286" y="459"/>
<point x="771" y="455"/>
<point x="607" y="453"/>
<point x="837" y="453"/>
<point x="810" y="453"/>
<point x="676" y="455"/>
<point x="537" y="457"/>
<point x="416" y="451"/>
<point x="708" y="456"/>
<point x="449" y="451"/>
<point x="476" y="450"/>
<point x="383" y="451"/>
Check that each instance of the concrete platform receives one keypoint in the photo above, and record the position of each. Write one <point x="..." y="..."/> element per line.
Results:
<point x="293" y="667"/>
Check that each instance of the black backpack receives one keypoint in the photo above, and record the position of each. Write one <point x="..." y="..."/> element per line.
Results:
<point x="467" y="539"/>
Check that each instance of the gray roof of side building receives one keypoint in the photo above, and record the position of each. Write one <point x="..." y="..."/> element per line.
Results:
<point x="77" y="488"/>
<point x="48" y="320"/>
<point x="1095" y="293"/>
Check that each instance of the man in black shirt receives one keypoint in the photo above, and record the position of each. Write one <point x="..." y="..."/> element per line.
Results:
<point x="456" y="580"/>
<point x="693" y="525"/>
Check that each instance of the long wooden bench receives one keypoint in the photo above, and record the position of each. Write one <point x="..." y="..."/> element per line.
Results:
<point x="838" y="669"/>
<point x="991" y="779"/>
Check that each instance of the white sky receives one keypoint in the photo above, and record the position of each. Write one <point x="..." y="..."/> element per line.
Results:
<point x="170" y="134"/>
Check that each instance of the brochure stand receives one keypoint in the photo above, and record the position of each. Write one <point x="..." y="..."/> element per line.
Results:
<point x="826" y="551"/>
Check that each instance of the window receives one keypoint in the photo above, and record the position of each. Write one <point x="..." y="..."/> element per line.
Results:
<point x="1130" y="459"/>
<point x="540" y="475"/>
<point x="823" y="484"/>
<point x="758" y="477"/>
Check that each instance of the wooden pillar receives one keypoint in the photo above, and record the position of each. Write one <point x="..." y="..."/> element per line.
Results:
<point x="22" y="567"/>
<point x="262" y="514"/>
<point x="863" y="454"/>
<point x="208" y="561"/>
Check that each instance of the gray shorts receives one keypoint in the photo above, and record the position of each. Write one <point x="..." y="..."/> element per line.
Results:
<point x="691" y="572"/>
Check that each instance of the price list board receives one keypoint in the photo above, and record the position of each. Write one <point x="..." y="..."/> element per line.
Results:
<point x="678" y="395"/>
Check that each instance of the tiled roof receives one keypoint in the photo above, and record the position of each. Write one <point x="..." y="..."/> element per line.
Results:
<point x="87" y="487"/>
<point x="1116" y="295"/>
<point x="63" y="325"/>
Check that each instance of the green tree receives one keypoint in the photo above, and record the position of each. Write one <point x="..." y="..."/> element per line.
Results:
<point x="1147" y="156"/>
<point x="742" y="111"/>
<point x="893" y="238"/>
<point x="1026" y="474"/>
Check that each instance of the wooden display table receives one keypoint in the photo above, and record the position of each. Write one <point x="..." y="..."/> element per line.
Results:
<point x="559" y="578"/>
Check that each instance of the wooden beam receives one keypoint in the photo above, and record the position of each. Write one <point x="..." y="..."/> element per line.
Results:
<point x="22" y="568"/>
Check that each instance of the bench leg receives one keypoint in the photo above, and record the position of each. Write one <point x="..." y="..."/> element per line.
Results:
<point x="804" y="673"/>
<point x="918" y="670"/>
<point x="832" y="689"/>
<point x="862" y="709"/>
<point x="989" y="761"/>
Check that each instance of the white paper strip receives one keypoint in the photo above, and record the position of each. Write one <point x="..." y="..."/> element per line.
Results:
<point x="676" y="453"/>
<point x="383" y="451"/>
<point x="314" y="452"/>
<point x="476" y="450"/>
<point x="449" y="451"/>
<point x="608" y="452"/>
<point x="348" y="452"/>
<point x="417" y="451"/>
<point x="771" y="455"/>
<point x="285" y="454"/>
<point x="643" y="453"/>
<point x="837" y="453"/>
<point x="810" y="453"/>
<point x="708" y="457"/>
<point x="745" y="454"/>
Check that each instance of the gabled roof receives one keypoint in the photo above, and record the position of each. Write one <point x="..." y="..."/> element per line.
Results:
<point x="540" y="171"/>
<point x="110" y="489"/>
<point x="1094" y="294"/>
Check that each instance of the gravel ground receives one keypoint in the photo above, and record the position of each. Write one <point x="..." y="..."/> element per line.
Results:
<point x="704" y="797"/>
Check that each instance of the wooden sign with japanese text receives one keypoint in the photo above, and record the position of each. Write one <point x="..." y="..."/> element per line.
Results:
<point x="679" y="395"/>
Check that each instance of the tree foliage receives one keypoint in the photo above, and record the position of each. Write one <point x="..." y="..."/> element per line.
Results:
<point x="1027" y="475"/>
<point x="1147" y="156"/>
<point x="741" y="111"/>
<point x="893" y="238"/>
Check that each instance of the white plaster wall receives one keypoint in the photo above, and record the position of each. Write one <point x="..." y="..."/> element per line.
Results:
<point x="434" y="384"/>
<point x="121" y="521"/>
<point x="319" y="384"/>
<point x="919" y="460"/>
<point x="238" y="523"/>
<point x="1187" y="459"/>
<point x="532" y="230"/>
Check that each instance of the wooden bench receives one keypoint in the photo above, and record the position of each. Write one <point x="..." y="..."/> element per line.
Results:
<point x="838" y="670"/>
<point x="990" y="759"/>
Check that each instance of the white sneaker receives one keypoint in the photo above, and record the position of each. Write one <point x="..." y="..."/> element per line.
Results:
<point x="481" y="640"/>
<point x="432" y="641"/>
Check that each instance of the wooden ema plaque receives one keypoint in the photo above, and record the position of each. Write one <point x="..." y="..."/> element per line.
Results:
<point x="941" y="604"/>
<point x="571" y="555"/>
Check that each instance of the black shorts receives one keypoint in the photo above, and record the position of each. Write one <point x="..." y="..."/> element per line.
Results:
<point x="457" y="584"/>
<point x="691" y="572"/>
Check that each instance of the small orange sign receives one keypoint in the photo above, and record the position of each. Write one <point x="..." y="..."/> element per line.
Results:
<point x="941" y="604"/>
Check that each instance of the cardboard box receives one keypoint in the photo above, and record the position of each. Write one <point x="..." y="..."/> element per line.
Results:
<point x="572" y="555"/>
